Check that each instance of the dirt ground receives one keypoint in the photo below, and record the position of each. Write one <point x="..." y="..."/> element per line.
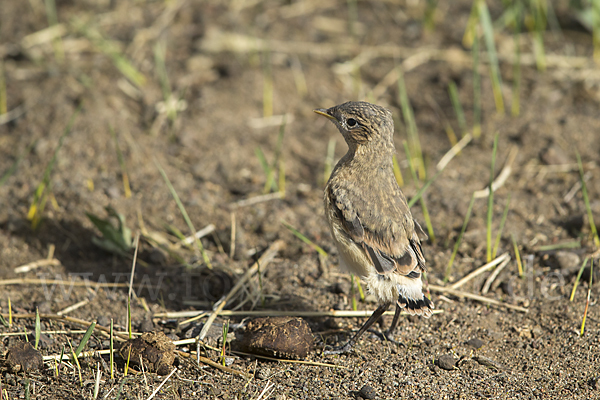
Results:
<point x="207" y="76"/>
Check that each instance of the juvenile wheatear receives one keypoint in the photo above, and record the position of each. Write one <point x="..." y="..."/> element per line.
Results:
<point x="369" y="218"/>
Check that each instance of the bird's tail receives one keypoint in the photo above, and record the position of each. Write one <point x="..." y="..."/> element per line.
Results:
<point x="422" y="307"/>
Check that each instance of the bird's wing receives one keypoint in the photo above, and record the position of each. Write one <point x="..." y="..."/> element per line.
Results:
<point x="389" y="251"/>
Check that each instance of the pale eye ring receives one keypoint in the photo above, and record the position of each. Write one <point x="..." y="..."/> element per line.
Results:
<point x="351" y="122"/>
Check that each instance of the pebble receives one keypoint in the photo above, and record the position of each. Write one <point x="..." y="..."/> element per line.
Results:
<point x="447" y="362"/>
<point x="342" y="287"/>
<point x="263" y="373"/>
<point x="103" y="320"/>
<point x="475" y="343"/>
<point x="147" y="326"/>
<point x="367" y="392"/>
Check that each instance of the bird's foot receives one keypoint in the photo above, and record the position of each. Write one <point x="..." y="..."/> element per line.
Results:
<point x="347" y="348"/>
<point x="389" y="336"/>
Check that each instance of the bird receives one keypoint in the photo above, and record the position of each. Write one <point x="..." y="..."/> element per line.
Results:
<point x="370" y="221"/>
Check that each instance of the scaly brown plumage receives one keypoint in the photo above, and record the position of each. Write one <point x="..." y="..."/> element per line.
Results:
<point x="369" y="217"/>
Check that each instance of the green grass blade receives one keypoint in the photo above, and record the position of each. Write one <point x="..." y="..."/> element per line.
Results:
<point x="411" y="126"/>
<point x="515" y="105"/>
<point x="361" y="293"/>
<point x="129" y="327"/>
<point x="224" y="340"/>
<point x="38" y="328"/>
<point x="578" y="278"/>
<point x="470" y="34"/>
<point x="270" y="183"/>
<point x="458" y="110"/>
<point x="586" y="200"/>
<point x="423" y="188"/>
<point x="86" y="338"/>
<point x="267" y="86"/>
<point x="587" y="303"/>
<point x="459" y="239"/>
<point x="490" y="210"/>
<point x="353" y="293"/>
<point x="304" y="239"/>
<point x="538" y="12"/>
<point x="112" y="351"/>
<point x="122" y="165"/>
<point x="428" y="223"/>
<point x="429" y="14"/>
<point x="488" y="35"/>
<point x="111" y="49"/>
<point x="596" y="29"/>
<point x="476" y="90"/>
<point x="185" y="215"/>
<point x="499" y="234"/>
<point x="517" y="256"/>
<point x="160" y="54"/>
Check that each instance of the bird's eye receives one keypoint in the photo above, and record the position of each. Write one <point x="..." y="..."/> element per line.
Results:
<point x="351" y="122"/>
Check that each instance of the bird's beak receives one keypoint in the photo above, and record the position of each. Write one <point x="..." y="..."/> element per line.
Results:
<point x="323" y="112"/>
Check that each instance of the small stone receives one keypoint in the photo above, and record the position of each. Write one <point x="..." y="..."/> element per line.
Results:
<point x="103" y="320"/>
<point x="447" y="362"/>
<point x="367" y="392"/>
<point x="263" y="373"/>
<point x="192" y="332"/>
<point x="488" y="362"/>
<point x="332" y="323"/>
<point x="147" y="325"/>
<point x="568" y="262"/>
<point x="476" y="343"/>
<point x="113" y="192"/>
<point x="342" y="287"/>
<point x="157" y="257"/>
<point x="508" y="288"/>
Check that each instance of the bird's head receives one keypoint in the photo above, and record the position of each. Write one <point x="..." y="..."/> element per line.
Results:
<point x="361" y="123"/>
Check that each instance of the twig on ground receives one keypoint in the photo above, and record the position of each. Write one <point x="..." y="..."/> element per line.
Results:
<point x="458" y="293"/>
<point x="493" y="276"/>
<point x="161" y="384"/>
<point x="53" y="262"/>
<point x="210" y="362"/>
<point x="454" y="150"/>
<point x="480" y="270"/>
<point x="256" y="200"/>
<point x="275" y="313"/>
<point x="502" y="176"/>
<point x="208" y="229"/>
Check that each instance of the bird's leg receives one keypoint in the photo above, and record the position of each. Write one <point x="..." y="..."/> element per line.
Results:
<point x="348" y="346"/>
<point x="390" y="332"/>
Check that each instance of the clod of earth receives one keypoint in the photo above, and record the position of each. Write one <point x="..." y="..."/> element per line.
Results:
<point x="23" y="357"/>
<point x="280" y="337"/>
<point x="367" y="392"/>
<point x="155" y="349"/>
